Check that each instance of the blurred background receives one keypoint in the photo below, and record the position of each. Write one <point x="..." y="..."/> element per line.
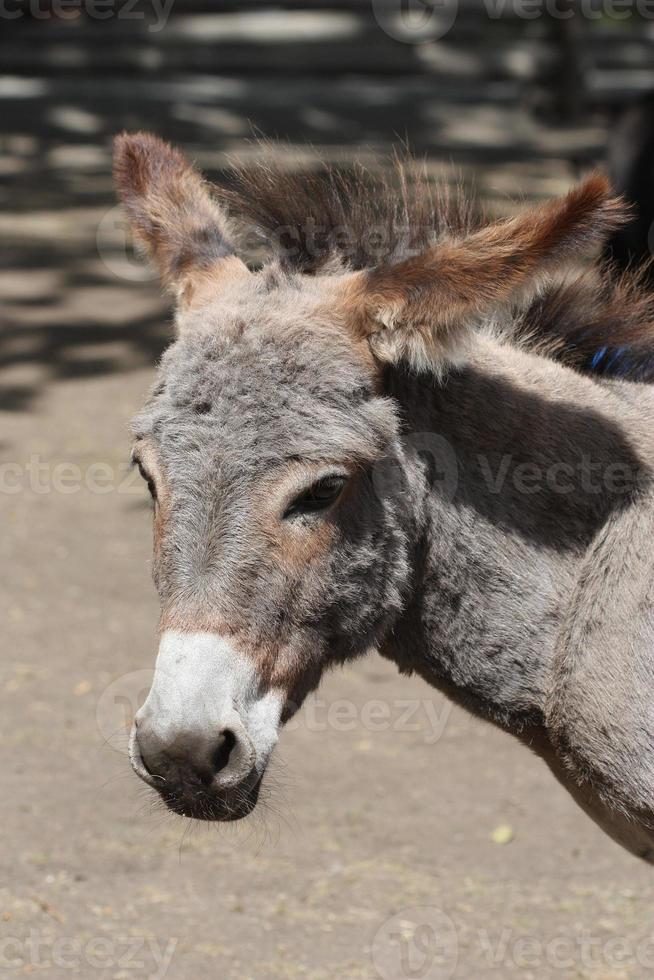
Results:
<point x="367" y="821"/>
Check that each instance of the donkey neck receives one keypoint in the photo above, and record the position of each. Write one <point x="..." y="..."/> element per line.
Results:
<point x="529" y="459"/>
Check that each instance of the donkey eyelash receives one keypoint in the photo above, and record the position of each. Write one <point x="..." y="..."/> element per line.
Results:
<point x="136" y="462"/>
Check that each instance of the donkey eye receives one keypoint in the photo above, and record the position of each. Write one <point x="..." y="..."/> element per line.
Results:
<point x="318" y="497"/>
<point x="148" y="479"/>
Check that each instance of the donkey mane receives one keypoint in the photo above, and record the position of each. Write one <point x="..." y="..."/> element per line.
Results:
<point x="359" y="217"/>
<point x="597" y="320"/>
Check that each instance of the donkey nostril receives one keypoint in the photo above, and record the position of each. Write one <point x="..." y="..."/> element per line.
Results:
<point x="220" y="757"/>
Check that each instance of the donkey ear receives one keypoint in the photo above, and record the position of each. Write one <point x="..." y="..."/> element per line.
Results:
<point x="418" y="309"/>
<point x="170" y="209"/>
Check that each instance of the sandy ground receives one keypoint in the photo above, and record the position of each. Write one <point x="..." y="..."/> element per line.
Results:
<point x="399" y="838"/>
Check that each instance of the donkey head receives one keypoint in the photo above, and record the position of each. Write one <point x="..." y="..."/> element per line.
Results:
<point x="276" y="550"/>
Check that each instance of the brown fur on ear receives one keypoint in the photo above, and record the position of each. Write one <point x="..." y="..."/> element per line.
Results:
<point x="170" y="208"/>
<point x="417" y="307"/>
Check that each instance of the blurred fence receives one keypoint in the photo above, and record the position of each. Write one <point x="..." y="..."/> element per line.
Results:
<point x="490" y="77"/>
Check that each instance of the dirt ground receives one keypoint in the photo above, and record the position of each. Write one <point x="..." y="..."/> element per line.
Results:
<point x="399" y="838"/>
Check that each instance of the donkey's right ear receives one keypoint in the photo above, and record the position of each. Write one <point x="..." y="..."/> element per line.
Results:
<point x="171" y="212"/>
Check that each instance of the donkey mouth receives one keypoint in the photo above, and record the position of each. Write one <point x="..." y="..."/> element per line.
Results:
<point x="225" y="807"/>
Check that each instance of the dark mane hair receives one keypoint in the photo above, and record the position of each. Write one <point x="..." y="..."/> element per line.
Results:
<point x="597" y="321"/>
<point x="360" y="217"/>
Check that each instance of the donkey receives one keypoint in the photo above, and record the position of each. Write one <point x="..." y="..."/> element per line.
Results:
<point x="388" y="441"/>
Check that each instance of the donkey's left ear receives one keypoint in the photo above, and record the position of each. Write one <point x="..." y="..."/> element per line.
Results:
<point x="419" y="308"/>
<point x="171" y="212"/>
